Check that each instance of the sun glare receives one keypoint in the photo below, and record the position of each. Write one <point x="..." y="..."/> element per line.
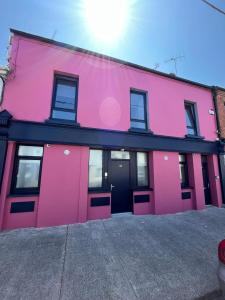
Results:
<point x="106" y="20"/>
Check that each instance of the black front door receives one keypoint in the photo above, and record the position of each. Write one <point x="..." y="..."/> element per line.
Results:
<point x="205" y="175"/>
<point x="119" y="178"/>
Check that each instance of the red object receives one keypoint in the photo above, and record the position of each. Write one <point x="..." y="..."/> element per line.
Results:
<point x="221" y="251"/>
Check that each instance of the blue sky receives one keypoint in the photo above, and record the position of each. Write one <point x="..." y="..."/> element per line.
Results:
<point x="157" y="30"/>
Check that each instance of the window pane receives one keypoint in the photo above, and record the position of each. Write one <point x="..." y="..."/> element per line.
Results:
<point x="142" y="169"/>
<point x="190" y="119"/>
<point x="95" y="168"/>
<point x="138" y="125"/>
<point x="137" y="99"/>
<point x="183" y="167"/>
<point x="191" y="131"/>
<point x="65" y="115"/>
<point x="65" y="95"/>
<point x="137" y="106"/>
<point x="182" y="158"/>
<point x="137" y="112"/>
<point x="28" y="173"/>
<point x="120" y="155"/>
<point x="182" y="174"/>
<point x="30" y="151"/>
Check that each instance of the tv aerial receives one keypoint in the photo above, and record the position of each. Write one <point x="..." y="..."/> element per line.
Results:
<point x="174" y="60"/>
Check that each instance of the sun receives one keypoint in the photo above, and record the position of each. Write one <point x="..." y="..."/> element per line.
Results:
<point x="106" y="20"/>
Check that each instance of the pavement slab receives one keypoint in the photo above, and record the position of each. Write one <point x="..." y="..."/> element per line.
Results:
<point x="126" y="257"/>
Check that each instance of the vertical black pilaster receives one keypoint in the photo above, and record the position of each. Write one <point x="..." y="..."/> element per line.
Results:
<point x="222" y="173"/>
<point x="3" y="150"/>
<point x="5" y="118"/>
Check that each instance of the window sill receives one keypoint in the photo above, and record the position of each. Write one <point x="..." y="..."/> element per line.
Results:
<point x="142" y="189"/>
<point x="137" y="130"/>
<point x="197" y="137"/>
<point x="22" y="195"/>
<point x="96" y="191"/>
<point x="62" y="122"/>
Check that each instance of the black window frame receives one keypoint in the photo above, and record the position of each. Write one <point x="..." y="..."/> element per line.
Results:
<point x="194" y="127"/>
<point x="185" y="183"/>
<point x="99" y="188"/>
<point x="145" y="121"/>
<point x="148" y="177"/>
<point x="75" y="80"/>
<point x="25" y="191"/>
<point x="105" y="183"/>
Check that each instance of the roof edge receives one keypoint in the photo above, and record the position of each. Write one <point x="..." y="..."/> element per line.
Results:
<point x="219" y="88"/>
<point x="107" y="57"/>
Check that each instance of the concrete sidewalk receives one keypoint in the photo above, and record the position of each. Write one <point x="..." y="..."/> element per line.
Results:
<point x="126" y="257"/>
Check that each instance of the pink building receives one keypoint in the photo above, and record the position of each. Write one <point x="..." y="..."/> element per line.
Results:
<point x="84" y="135"/>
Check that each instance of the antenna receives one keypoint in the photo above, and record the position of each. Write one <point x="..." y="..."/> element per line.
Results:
<point x="156" y="66"/>
<point x="174" y="60"/>
<point x="54" y="34"/>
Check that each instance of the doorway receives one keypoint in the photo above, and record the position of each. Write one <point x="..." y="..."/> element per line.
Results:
<point x="206" y="184"/>
<point x="119" y="179"/>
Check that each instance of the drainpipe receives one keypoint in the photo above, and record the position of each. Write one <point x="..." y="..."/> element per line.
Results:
<point x="221" y="157"/>
<point x="216" y="110"/>
<point x="4" y="117"/>
<point x="4" y="72"/>
<point x="2" y="84"/>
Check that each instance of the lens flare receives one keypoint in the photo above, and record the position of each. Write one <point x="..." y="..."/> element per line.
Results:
<point x="106" y="20"/>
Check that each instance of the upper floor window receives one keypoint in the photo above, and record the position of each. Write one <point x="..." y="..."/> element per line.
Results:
<point x="27" y="169"/>
<point x="64" y="103"/>
<point x="183" y="170"/>
<point x="138" y="110"/>
<point x="191" y="121"/>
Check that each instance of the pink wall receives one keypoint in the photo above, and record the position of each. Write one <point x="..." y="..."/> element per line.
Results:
<point x="64" y="197"/>
<point x="166" y="182"/>
<point x="143" y="208"/>
<point x="64" y="184"/>
<point x="187" y="204"/>
<point x="20" y="220"/>
<point x="98" y="212"/>
<point x="104" y="87"/>
<point x="196" y="180"/>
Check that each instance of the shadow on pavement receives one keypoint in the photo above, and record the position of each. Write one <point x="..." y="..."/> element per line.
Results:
<point x="214" y="295"/>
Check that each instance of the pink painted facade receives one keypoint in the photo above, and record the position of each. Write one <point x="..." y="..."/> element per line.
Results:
<point x="104" y="88"/>
<point x="103" y="103"/>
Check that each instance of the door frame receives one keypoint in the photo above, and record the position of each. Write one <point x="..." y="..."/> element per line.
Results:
<point x="206" y="166"/>
<point x="130" y="191"/>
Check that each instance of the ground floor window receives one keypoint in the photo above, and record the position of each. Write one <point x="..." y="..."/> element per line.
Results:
<point x="27" y="169"/>
<point x="95" y="168"/>
<point x="183" y="165"/>
<point x="142" y="169"/>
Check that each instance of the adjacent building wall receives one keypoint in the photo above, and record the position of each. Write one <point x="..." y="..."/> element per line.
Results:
<point x="220" y="102"/>
<point x="220" y="105"/>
